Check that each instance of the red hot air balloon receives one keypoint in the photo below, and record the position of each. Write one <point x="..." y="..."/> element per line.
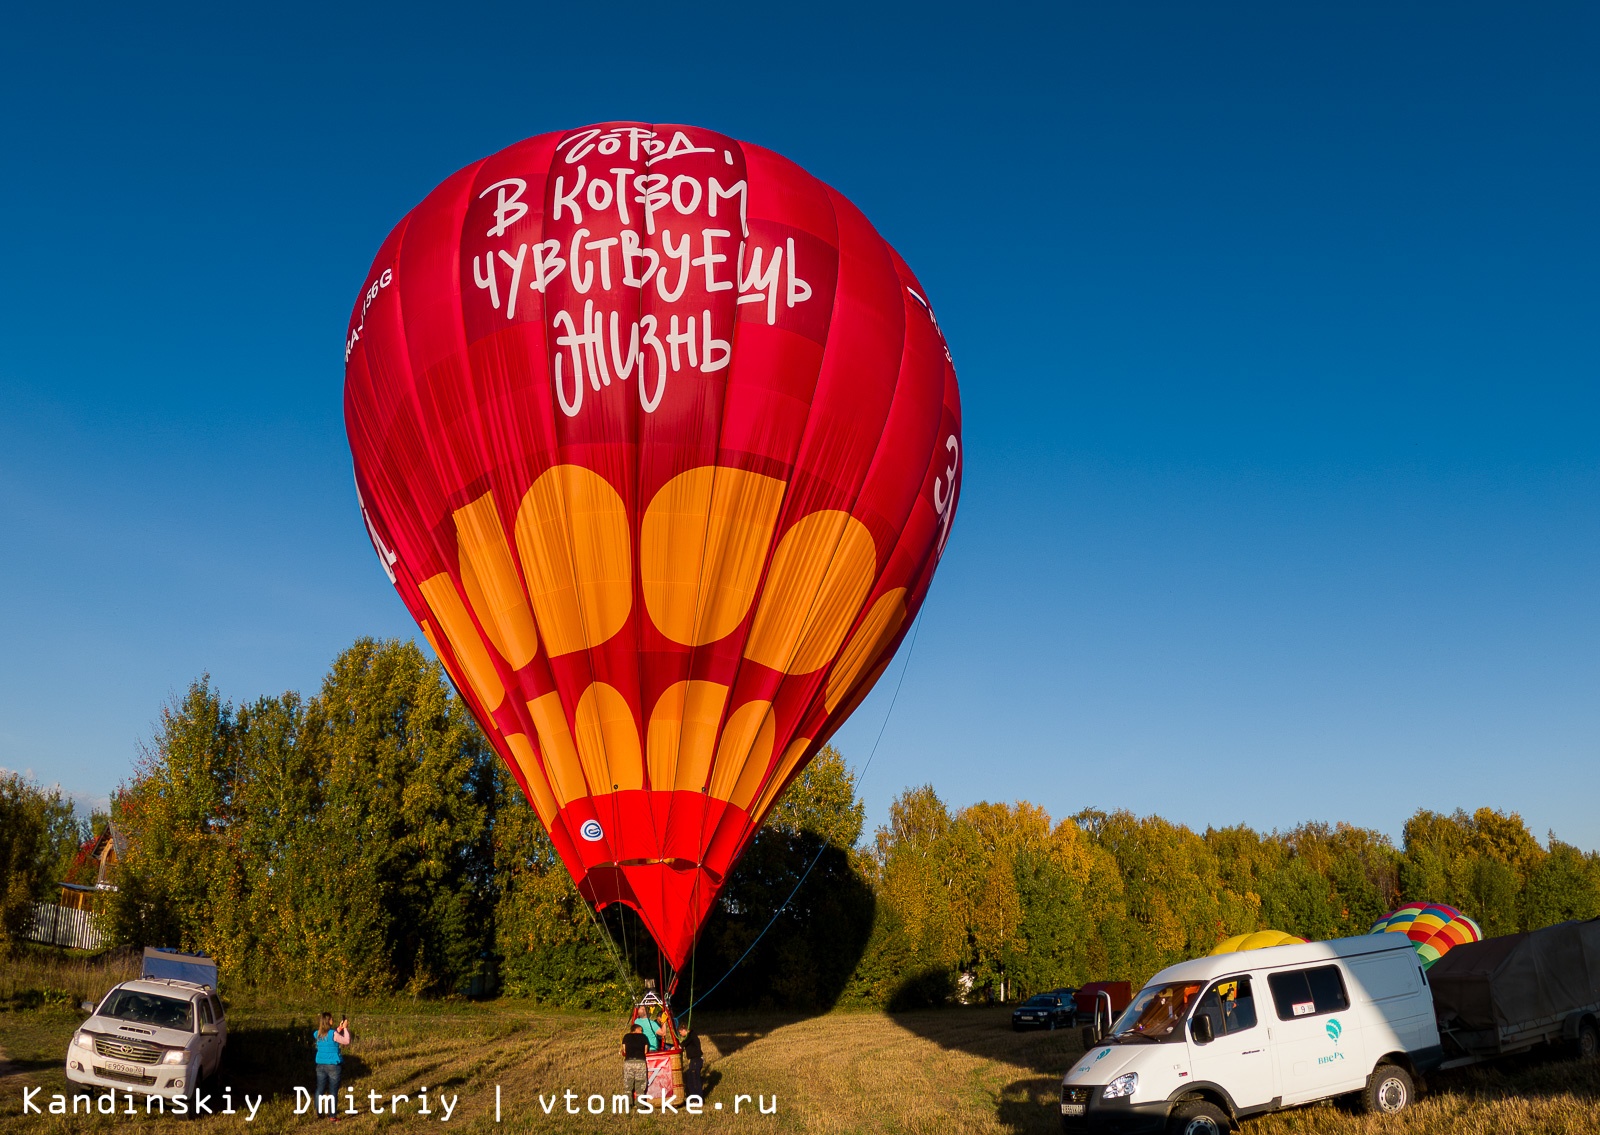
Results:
<point x="660" y="443"/>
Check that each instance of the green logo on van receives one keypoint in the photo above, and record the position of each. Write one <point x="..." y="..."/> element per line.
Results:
<point x="1334" y="1029"/>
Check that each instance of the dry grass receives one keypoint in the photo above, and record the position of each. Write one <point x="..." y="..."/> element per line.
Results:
<point x="32" y="977"/>
<point x="948" y="1072"/>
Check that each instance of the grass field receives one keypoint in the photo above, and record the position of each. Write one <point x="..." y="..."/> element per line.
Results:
<point x="949" y="1072"/>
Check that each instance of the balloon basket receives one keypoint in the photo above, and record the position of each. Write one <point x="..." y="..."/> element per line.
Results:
<point x="666" y="1073"/>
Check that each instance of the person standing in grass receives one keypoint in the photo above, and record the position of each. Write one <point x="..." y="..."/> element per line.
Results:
<point x="635" y="1075"/>
<point x="693" y="1065"/>
<point x="329" y="1058"/>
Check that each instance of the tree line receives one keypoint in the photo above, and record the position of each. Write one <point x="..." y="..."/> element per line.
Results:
<point x="366" y="840"/>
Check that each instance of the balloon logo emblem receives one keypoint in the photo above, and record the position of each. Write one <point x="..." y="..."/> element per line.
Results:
<point x="591" y="831"/>
<point x="1334" y="1029"/>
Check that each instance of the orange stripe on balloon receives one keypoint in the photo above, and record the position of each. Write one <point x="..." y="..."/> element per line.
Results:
<point x="494" y="589"/>
<point x="560" y="752"/>
<point x="608" y="740"/>
<point x="882" y="623"/>
<point x="682" y="738"/>
<point x="769" y="795"/>
<point x="577" y="559"/>
<point x="440" y="594"/>
<point x="540" y="796"/>
<point x="820" y="576"/>
<point x="702" y="545"/>
<point x="744" y="754"/>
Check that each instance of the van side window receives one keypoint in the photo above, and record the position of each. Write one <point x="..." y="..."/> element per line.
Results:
<point x="1229" y="1005"/>
<point x="205" y="1010"/>
<point x="1308" y="992"/>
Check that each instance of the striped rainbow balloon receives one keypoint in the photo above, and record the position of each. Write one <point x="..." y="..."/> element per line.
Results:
<point x="1434" y="929"/>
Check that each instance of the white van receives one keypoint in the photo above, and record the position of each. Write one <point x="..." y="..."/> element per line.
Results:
<point x="1210" y="1041"/>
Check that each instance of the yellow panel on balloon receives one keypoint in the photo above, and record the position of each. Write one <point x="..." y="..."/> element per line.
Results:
<point x="683" y="735"/>
<point x="560" y="753"/>
<point x="882" y="623"/>
<point x="769" y="794"/>
<point x="608" y="740"/>
<point x="702" y="545"/>
<point x="440" y="594"/>
<point x="744" y="754"/>
<point x="577" y="559"/>
<point x="489" y="577"/>
<point x="820" y="576"/>
<point x="542" y="799"/>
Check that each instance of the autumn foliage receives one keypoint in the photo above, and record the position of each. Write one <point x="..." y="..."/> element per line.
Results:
<point x="366" y="840"/>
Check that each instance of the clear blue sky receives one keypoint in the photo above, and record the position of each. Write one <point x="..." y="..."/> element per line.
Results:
<point x="1276" y="329"/>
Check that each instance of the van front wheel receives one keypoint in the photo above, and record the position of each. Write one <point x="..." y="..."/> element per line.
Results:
<point x="1389" y="1090"/>
<point x="1198" y="1117"/>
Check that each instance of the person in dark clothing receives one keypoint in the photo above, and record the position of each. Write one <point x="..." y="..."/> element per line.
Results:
<point x="635" y="1074"/>
<point x="693" y="1063"/>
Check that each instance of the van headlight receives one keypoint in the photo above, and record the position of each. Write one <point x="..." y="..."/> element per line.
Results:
<point x="1124" y="1085"/>
<point x="176" y="1056"/>
<point x="84" y="1040"/>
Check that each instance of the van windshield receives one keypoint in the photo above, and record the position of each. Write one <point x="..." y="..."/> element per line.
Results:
<point x="1158" y="1013"/>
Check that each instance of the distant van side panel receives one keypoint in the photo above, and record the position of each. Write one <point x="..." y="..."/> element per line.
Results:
<point x="1403" y="1018"/>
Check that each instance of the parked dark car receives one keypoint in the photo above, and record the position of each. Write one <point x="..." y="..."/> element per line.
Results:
<point x="1045" y="1011"/>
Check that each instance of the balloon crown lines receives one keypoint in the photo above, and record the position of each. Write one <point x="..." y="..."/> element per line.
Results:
<point x="660" y="443"/>
<point x="410" y="1104"/>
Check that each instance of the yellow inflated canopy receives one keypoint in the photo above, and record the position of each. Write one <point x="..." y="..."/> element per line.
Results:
<point x="1259" y="940"/>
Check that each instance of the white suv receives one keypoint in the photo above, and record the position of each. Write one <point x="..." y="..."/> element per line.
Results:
<point x="150" y="1037"/>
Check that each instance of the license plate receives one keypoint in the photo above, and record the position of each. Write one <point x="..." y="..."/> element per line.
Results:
<point x="1072" y="1109"/>
<point x="125" y="1069"/>
<point x="1026" y="1017"/>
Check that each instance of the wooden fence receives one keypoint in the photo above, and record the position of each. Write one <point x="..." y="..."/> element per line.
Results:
<point x="62" y="926"/>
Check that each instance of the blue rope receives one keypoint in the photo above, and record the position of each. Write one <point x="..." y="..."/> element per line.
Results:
<point x="688" y="1013"/>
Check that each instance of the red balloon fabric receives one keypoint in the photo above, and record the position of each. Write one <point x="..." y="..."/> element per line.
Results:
<point x="660" y="443"/>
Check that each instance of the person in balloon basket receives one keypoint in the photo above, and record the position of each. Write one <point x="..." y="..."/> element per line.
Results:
<point x="649" y="1022"/>
<point x="329" y="1058"/>
<point x="635" y="1075"/>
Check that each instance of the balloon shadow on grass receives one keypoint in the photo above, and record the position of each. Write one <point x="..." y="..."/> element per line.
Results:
<point x="272" y="1060"/>
<point x="770" y="946"/>
<point x="985" y="1031"/>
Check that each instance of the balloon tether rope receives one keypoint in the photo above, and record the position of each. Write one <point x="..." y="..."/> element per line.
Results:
<point x="693" y="1004"/>
<point x="611" y="948"/>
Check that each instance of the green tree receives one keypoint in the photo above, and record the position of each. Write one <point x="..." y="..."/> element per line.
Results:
<point x="552" y="949"/>
<point x="175" y="814"/>
<point x="919" y="934"/>
<point x="803" y="949"/>
<point x="1565" y="885"/>
<point x="39" y="833"/>
<point x="341" y="843"/>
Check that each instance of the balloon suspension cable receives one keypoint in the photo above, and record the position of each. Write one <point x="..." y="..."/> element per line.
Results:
<point x="611" y="948"/>
<point x="693" y="1003"/>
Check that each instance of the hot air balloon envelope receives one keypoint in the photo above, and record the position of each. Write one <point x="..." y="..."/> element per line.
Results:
<point x="660" y="444"/>
<point x="1432" y="927"/>
<point x="1256" y="940"/>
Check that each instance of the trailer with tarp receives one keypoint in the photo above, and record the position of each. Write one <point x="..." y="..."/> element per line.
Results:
<point x="1519" y="992"/>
